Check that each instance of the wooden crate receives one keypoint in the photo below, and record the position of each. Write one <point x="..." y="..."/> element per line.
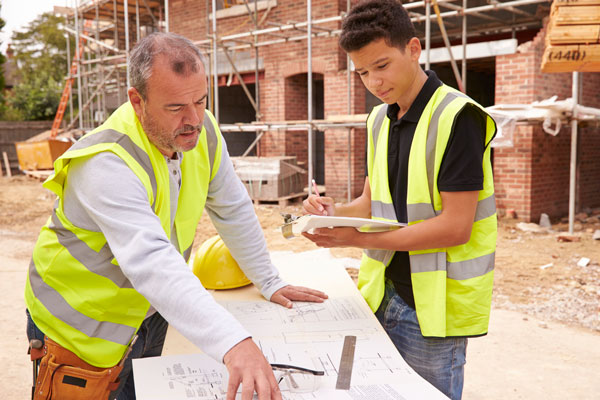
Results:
<point x="573" y="37"/>
<point x="40" y="155"/>
<point x="585" y="58"/>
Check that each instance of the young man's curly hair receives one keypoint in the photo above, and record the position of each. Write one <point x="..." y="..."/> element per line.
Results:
<point x="376" y="19"/>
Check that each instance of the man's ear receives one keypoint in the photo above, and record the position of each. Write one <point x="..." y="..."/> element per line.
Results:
<point x="136" y="100"/>
<point x="414" y="47"/>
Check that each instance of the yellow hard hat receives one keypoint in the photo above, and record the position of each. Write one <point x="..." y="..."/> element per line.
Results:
<point x="216" y="268"/>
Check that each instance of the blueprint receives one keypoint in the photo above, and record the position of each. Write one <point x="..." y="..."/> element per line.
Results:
<point x="309" y="335"/>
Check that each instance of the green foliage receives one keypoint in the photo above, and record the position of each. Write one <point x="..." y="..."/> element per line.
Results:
<point x="42" y="47"/>
<point x="41" y="57"/>
<point x="37" y="97"/>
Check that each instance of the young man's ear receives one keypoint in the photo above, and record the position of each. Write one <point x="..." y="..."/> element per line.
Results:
<point x="414" y="47"/>
<point x="136" y="101"/>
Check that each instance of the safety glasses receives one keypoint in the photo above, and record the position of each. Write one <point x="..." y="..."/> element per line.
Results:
<point x="296" y="379"/>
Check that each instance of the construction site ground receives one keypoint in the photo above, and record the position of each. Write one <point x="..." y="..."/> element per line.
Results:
<point x="544" y="337"/>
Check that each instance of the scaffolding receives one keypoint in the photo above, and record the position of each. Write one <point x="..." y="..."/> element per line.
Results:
<point x="106" y="28"/>
<point x="109" y="27"/>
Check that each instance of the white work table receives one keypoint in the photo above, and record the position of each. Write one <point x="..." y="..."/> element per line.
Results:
<point x="309" y="335"/>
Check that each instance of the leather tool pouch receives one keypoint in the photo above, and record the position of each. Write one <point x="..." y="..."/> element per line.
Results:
<point x="64" y="376"/>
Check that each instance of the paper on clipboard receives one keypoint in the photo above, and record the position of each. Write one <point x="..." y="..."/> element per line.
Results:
<point x="307" y="222"/>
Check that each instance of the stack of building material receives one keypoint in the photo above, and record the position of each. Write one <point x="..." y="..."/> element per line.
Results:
<point x="270" y="178"/>
<point x="36" y="155"/>
<point x="573" y="37"/>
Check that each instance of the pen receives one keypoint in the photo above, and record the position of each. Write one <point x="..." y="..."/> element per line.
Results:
<point x="314" y="184"/>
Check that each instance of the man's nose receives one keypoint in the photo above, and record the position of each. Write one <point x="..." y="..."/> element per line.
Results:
<point x="193" y="117"/>
<point x="375" y="81"/>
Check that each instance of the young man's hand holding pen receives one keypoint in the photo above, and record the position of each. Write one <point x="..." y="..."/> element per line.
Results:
<point x="317" y="205"/>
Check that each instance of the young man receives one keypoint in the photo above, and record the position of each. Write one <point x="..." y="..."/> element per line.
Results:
<point x="429" y="283"/>
<point x="112" y="260"/>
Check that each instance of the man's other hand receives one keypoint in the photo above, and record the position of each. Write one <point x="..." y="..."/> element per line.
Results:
<point x="287" y="294"/>
<point x="248" y="366"/>
<point x="335" y="237"/>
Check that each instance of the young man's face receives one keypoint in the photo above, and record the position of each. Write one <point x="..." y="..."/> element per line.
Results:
<point x="173" y="111"/>
<point x="388" y="72"/>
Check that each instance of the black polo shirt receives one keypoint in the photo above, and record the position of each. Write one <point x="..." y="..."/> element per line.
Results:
<point x="461" y="168"/>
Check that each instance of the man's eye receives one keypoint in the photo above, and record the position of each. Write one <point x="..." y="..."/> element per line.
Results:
<point x="175" y="109"/>
<point x="363" y="73"/>
<point x="382" y="66"/>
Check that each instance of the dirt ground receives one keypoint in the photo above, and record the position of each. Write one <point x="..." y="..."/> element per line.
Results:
<point x="544" y="338"/>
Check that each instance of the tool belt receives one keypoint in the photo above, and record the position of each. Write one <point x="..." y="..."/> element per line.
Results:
<point x="65" y="376"/>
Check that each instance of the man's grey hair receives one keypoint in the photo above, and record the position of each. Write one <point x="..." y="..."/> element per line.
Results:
<point x="184" y="57"/>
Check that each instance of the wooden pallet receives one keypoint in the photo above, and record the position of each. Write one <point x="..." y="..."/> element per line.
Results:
<point x="573" y="37"/>
<point x="41" y="174"/>
<point x="281" y="201"/>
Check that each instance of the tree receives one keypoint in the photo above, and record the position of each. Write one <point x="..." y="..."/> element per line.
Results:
<point x="41" y="57"/>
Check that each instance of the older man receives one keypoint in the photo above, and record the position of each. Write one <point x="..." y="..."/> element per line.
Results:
<point x="111" y="262"/>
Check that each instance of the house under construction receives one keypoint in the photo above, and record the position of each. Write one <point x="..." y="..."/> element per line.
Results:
<point x="281" y="86"/>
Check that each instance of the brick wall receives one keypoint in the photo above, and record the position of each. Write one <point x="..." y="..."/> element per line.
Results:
<point x="533" y="176"/>
<point x="283" y="91"/>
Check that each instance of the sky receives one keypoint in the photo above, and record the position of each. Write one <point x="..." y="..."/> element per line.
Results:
<point x="18" y="13"/>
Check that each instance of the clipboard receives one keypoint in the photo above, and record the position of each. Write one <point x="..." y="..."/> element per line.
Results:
<point x="305" y="223"/>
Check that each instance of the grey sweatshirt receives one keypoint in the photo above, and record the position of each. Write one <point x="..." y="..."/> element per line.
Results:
<point x="102" y="194"/>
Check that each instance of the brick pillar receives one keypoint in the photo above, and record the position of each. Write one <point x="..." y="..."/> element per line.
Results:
<point x="272" y="99"/>
<point x="336" y="140"/>
<point x="296" y="108"/>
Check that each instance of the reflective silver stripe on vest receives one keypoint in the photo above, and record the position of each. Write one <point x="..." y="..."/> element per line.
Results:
<point x="485" y="208"/>
<point x="383" y="210"/>
<point x="432" y="133"/>
<point x="381" y="114"/>
<point x="428" y="262"/>
<point x="188" y="252"/>
<point x="420" y="211"/>
<point x="385" y="256"/>
<point x="460" y="270"/>
<point x="60" y="309"/>
<point x="471" y="268"/>
<point x="211" y="142"/>
<point x="112" y="136"/>
<point x="97" y="262"/>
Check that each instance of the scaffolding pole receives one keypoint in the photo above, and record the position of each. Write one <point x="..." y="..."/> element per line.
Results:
<point x="126" y="11"/>
<point x="79" y="92"/>
<point x="310" y="94"/>
<point x="215" y="61"/>
<point x="349" y="111"/>
<point x="573" y="162"/>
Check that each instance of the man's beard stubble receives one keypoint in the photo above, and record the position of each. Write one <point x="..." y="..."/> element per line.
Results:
<point x="166" y="140"/>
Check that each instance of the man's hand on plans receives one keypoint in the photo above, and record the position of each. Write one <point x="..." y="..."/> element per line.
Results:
<point x="287" y="294"/>
<point x="248" y="366"/>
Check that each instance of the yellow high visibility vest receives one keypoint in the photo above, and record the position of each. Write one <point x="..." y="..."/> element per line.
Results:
<point x="75" y="291"/>
<point x="452" y="286"/>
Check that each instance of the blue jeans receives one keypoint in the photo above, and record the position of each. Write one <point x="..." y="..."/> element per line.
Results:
<point x="151" y="337"/>
<point x="440" y="361"/>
